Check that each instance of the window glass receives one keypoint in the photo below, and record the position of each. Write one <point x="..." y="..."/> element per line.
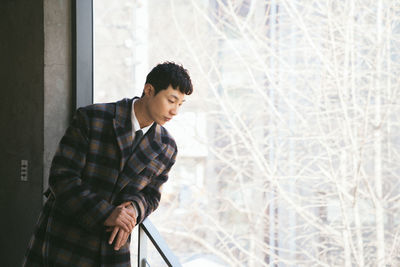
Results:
<point x="289" y="145"/>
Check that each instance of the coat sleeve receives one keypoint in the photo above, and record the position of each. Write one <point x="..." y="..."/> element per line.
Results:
<point x="72" y="195"/>
<point x="146" y="200"/>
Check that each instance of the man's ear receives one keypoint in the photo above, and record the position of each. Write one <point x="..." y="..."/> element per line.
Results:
<point x="148" y="89"/>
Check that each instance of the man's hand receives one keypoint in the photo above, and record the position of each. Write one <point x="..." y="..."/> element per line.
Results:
<point x="121" y="238"/>
<point x="122" y="234"/>
<point x="123" y="216"/>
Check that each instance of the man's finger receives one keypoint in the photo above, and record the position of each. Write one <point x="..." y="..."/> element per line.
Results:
<point x="126" y="238"/>
<point x="118" y="241"/>
<point x="123" y="223"/>
<point x="127" y="218"/>
<point x="132" y="223"/>
<point x="122" y="241"/>
<point x="113" y="234"/>
<point x="131" y="213"/>
<point x="131" y="218"/>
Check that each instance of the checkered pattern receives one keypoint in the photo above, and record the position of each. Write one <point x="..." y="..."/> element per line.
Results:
<point x="93" y="171"/>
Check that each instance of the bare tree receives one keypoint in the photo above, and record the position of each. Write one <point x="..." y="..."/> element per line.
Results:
<point x="299" y="101"/>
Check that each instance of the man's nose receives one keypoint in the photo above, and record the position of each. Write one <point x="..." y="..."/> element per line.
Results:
<point x="174" y="111"/>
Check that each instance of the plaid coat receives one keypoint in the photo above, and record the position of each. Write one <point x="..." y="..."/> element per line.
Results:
<point x="93" y="171"/>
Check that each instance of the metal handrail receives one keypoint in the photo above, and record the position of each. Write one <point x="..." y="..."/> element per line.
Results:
<point x="148" y="230"/>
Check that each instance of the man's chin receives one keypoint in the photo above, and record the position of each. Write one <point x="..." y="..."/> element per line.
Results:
<point x="161" y="122"/>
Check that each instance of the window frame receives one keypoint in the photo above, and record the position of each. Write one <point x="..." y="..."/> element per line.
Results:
<point x="82" y="52"/>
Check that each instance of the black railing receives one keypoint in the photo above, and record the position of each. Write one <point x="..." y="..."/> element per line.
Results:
<point x="148" y="231"/>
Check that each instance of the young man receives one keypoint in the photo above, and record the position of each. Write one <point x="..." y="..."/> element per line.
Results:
<point x="106" y="175"/>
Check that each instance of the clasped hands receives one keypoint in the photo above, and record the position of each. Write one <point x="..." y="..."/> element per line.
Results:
<point x="120" y="223"/>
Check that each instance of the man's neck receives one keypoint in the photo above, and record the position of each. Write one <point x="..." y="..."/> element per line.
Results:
<point x="141" y="113"/>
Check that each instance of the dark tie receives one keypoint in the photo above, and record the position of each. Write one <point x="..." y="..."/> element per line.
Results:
<point x="136" y="140"/>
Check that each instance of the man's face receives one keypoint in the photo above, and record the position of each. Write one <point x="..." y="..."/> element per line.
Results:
<point x="163" y="106"/>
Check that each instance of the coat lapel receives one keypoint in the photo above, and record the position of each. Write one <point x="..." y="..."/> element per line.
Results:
<point x="150" y="147"/>
<point x="123" y="128"/>
<point x="143" y="156"/>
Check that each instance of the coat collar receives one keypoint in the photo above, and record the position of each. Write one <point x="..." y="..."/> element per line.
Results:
<point x="123" y="131"/>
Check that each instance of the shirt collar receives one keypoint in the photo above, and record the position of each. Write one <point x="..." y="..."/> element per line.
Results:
<point x="135" y="122"/>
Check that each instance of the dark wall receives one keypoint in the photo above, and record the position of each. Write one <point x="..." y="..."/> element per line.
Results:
<point x="21" y="124"/>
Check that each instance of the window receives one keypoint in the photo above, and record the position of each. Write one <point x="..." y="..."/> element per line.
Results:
<point x="288" y="148"/>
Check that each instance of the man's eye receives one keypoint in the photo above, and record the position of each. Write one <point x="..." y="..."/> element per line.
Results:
<point x="170" y="101"/>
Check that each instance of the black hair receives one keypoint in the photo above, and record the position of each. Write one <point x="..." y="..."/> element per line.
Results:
<point x="169" y="73"/>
